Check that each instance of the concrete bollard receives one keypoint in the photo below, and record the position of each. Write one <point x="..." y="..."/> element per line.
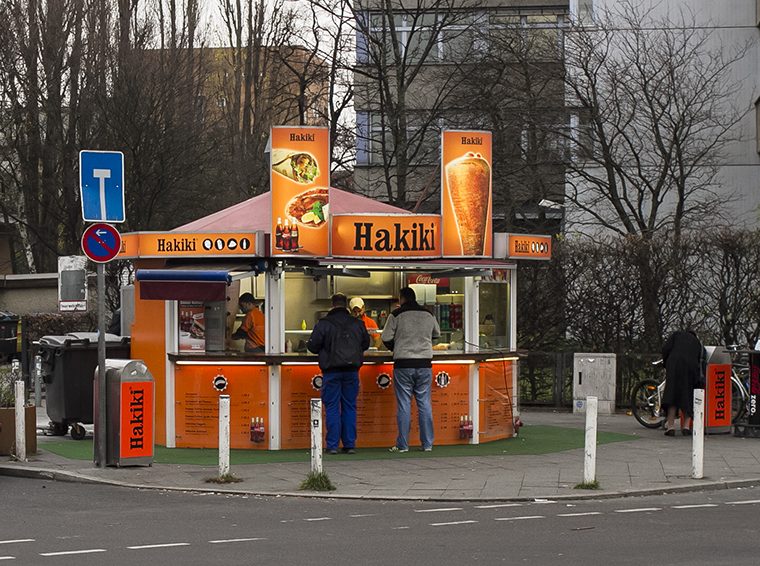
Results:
<point x="20" y="422"/>
<point x="698" y="435"/>
<point x="316" y="436"/>
<point x="589" y="461"/>
<point x="224" y="435"/>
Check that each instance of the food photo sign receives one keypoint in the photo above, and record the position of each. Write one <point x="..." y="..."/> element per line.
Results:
<point x="300" y="181"/>
<point x="466" y="194"/>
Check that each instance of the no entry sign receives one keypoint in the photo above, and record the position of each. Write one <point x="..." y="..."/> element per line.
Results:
<point x="101" y="242"/>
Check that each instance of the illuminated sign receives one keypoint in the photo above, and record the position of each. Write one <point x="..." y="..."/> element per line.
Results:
<point x="178" y="244"/>
<point x="526" y="246"/>
<point x="390" y="236"/>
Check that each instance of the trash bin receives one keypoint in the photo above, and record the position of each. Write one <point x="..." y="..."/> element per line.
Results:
<point x="9" y="332"/>
<point x="130" y="414"/>
<point x="68" y="369"/>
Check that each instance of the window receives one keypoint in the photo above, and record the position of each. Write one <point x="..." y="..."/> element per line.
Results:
<point x="374" y="137"/>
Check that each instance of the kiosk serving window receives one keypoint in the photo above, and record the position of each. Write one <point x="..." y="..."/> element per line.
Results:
<point x="494" y="330"/>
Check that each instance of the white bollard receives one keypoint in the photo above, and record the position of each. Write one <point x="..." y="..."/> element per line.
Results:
<point x="316" y="436"/>
<point x="224" y="435"/>
<point x="589" y="461"/>
<point x="20" y="423"/>
<point x="38" y="381"/>
<point x="698" y="435"/>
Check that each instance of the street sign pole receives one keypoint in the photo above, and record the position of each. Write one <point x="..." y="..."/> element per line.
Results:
<point x="100" y="457"/>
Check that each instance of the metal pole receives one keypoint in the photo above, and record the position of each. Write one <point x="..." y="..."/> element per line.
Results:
<point x="100" y="425"/>
<point x="20" y="423"/>
<point x="38" y="381"/>
<point x="589" y="461"/>
<point x="224" y="435"/>
<point x="698" y="435"/>
<point x="316" y="436"/>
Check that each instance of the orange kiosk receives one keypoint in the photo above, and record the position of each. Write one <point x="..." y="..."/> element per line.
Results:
<point x="292" y="248"/>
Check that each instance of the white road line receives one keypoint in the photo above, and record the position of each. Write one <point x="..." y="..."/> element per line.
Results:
<point x="363" y="515"/>
<point x="16" y="540"/>
<point x="498" y="505"/>
<point x="319" y="519"/>
<point x="222" y="541"/>
<point x="580" y="514"/>
<point x="696" y="506"/>
<point x="642" y="509"/>
<point x="7" y="558"/>
<point x="88" y="551"/>
<point x="743" y="502"/>
<point x="452" y="523"/>
<point x="399" y="528"/>
<point x="164" y="545"/>
<point x="438" y="510"/>
<point x="520" y="518"/>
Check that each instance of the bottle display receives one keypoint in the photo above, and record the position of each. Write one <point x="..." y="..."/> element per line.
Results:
<point x="286" y="236"/>
<point x="294" y="236"/>
<point x="278" y="234"/>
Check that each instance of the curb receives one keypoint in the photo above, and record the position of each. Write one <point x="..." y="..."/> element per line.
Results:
<point x="73" y="477"/>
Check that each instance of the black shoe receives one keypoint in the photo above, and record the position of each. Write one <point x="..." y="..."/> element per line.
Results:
<point x="671" y="432"/>
<point x="332" y="451"/>
<point x="349" y="451"/>
<point x="686" y="431"/>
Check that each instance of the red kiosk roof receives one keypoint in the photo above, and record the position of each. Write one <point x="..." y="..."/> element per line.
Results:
<point x="256" y="213"/>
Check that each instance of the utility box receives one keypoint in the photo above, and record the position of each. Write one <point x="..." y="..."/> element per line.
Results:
<point x="130" y="411"/>
<point x="594" y="376"/>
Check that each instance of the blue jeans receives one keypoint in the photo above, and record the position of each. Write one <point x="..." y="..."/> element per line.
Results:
<point x="417" y="382"/>
<point x="339" y="391"/>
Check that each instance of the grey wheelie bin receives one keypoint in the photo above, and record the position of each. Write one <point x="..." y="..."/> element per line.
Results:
<point x="68" y="368"/>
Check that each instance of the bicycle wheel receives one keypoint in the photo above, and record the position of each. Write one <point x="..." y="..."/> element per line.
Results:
<point x="738" y="402"/>
<point x="644" y="404"/>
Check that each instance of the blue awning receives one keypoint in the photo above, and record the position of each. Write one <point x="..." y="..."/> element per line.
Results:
<point x="184" y="284"/>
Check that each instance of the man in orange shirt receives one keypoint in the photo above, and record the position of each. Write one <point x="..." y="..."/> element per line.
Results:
<point x="252" y="329"/>
<point x="356" y="306"/>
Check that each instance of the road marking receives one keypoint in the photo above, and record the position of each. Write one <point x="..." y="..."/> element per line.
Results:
<point x="452" y="523"/>
<point x="88" y="551"/>
<point x="222" y="541"/>
<point x="16" y="540"/>
<point x="319" y="519"/>
<point x="524" y="517"/>
<point x="580" y="514"/>
<point x="497" y="505"/>
<point x="363" y="515"/>
<point x="743" y="502"/>
<point x="7" y="558"/>
<point x="640" y="510"/>
<point x="399" y="528"/>
<point x="438" y="510"/>
<point x="696" y="506"/>
<point x="164" y="545"/>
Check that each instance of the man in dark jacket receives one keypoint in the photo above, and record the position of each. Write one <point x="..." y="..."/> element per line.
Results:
<point x="409" y="332"/>
<point x="340" y="341"/>
<point x="685" y="360"/>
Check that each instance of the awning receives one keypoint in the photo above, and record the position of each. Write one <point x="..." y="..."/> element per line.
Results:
<point x="192" y="283"/>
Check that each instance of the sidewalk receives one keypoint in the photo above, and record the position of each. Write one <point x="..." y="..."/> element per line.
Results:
<point x="650" y="463"/>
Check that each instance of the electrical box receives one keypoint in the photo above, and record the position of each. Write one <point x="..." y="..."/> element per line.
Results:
<point x="594" y="376"/>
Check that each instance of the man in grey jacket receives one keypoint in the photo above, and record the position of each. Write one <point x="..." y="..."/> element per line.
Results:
<point x="409" y="332"/>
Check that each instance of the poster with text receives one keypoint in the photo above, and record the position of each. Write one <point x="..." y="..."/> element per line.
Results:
<point x="466" y="194"/>
<point x="300" y="181"/>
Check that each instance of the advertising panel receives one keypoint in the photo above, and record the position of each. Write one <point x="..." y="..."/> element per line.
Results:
<point x="386" y="236"/>
<point x="526" y="246"/>
<point x="136" y="419"/>
<point x="300" y="182"/>
<point x="192" y="326"/>
<point x="718" y="401"/>
<point x="466" y="194"/>
<point x="195" y="244"/>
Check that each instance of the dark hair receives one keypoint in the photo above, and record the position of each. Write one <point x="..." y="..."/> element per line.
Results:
<point x="246" y="298"/>
<point x="339" y="300"/>
<point x="408" y="294"/>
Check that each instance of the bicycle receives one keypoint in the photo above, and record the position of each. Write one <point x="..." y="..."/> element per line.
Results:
<point x="646" y="398"/>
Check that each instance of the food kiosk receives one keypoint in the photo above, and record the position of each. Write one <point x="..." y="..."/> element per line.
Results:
<point x="292" y="248"/>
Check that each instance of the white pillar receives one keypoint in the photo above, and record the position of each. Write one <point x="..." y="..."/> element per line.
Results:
<point x="698" y="435"/>
<point x="20" y="424"/>
<point x="589" y="460"/>
<point x="38" y="381"/>
<point x="316" y="436"/>
<point x="224" y="435"/>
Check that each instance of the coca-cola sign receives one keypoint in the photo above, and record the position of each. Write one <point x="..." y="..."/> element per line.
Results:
<point x="426" y="278"/>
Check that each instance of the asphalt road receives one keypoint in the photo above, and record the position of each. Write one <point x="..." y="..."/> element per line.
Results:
<point x="46" y="522"/>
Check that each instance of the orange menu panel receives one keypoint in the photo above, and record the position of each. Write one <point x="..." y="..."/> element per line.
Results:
<point x="196" y="405"/>
<point x="376" y="407"/>
<point x="496" y="400"/>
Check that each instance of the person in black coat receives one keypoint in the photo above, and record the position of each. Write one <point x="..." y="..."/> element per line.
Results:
<point x="685" y="359"/>
<point x="340" y="341"/>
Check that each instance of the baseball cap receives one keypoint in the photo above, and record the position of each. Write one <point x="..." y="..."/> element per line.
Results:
<point x="356" y="302"/>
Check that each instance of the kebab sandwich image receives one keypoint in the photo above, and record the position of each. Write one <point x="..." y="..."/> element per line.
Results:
<point x="298" y="166"/>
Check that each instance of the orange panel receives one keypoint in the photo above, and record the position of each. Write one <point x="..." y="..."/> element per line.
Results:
<point x="496" y="400"/>
<point x="197" y="405"/>
<point x="718" y="393"/>
<point x="136" y="419"/>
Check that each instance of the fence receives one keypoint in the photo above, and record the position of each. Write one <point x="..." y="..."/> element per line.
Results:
<point x="546" y="378"/>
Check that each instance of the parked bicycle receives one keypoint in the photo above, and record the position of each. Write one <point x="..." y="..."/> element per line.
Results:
<point x="646" y="396"/>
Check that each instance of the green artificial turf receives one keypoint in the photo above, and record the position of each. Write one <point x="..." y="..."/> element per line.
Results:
<point x="532" y="440"/>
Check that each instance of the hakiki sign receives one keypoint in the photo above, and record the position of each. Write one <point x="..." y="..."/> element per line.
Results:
<point x="528" y="246"/>
<point x="390" y="236"/>
<point x="177" y="244"/>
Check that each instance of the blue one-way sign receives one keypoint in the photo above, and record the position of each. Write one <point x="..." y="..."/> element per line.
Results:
<point x="101" y="181"/>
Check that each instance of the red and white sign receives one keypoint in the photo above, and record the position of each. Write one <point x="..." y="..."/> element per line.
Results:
<point x="427" y="279"/>
<point x="101" y="242"/>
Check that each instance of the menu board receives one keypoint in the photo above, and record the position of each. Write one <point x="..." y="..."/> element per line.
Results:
<point x="496" y="400"/>
<point x="197" y="405"/>
<point x="300" y="187"/>
<point x="466" y="194"/>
